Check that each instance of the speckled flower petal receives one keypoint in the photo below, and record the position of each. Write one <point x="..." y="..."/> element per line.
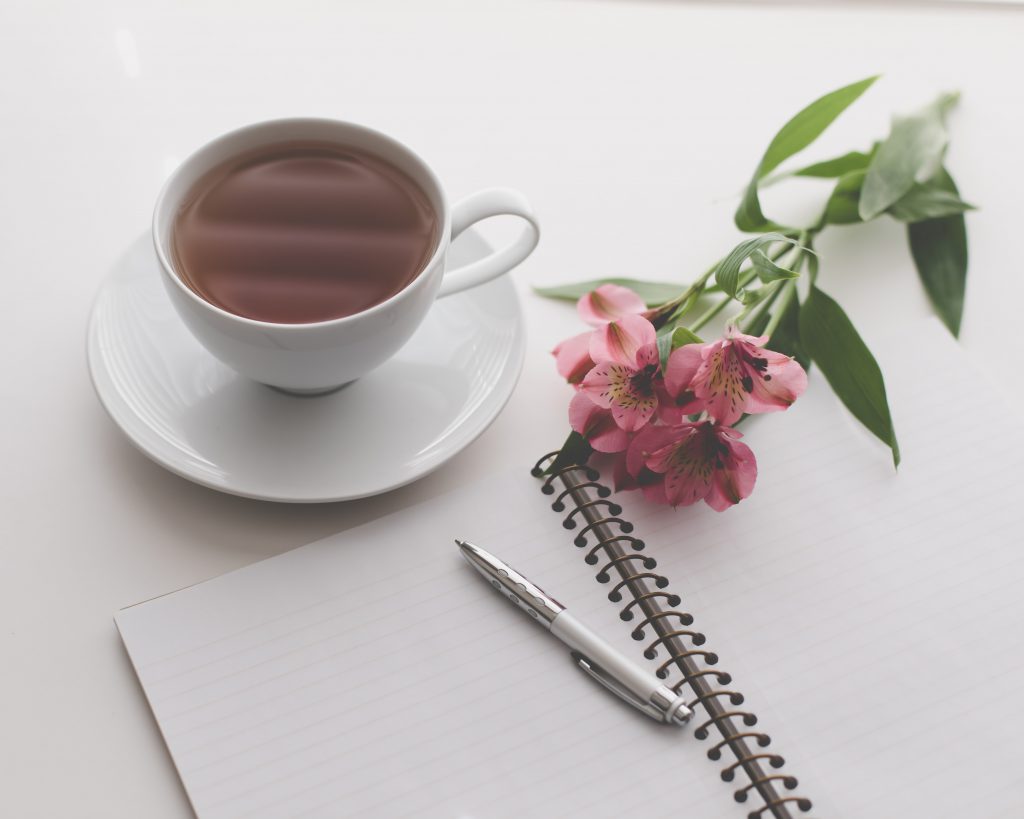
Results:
<point x="624" y="391"/>
<point x="702" y="461"/>
<point x="777" y="385"/>
<point x="686" y="466"/>
<point x="733" y="477"/>
<point x="719" y="384"/>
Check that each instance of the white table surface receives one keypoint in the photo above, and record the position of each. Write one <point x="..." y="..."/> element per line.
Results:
<point x="632" y="126"/>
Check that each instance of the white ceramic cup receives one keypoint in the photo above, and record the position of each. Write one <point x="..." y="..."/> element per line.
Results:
<point x="322" y="356"/>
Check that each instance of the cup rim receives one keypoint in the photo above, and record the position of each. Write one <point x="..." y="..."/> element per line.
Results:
<point x="418" y="281"/>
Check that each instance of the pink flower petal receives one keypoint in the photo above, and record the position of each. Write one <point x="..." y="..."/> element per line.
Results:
<point x="668" y="411"/>
<point x="627" y="392"/>
<point x="732" y="332"/>
<point x="719" y="383"/>
<point x="734" y="475"/>
<point x="572" y="357"/>
<point x="608" y="302"/>
<point x="596" y="425"/>
<point x="702" y="461"/>
<point x="683" y="364"/>
<point x="686" y="465"/>
<point x="621" y="340"/>
<point x="646" y="441"/>
<point x="647" y="356"/>
<point x="782" y="382"/>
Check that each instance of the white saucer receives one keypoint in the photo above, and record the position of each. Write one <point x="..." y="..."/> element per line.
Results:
<point x="199" y="419"/>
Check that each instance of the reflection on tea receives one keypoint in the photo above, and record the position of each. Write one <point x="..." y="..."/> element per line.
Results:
<point x="303" y="232"/>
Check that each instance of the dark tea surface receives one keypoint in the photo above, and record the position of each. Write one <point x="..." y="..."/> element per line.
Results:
<point x="300" y="233"/>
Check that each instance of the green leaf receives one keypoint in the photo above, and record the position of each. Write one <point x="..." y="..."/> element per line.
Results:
<point x="749" y="297"/>
<point x="768" y="271"/>
<point x="827" y="169"/>
<point x="653" y="293"/>
<point x="728" y="273"/>
<point x="786" y="337"/>
<point x="575" y="450"/>
<point x="812" y="266"/>
<point x="831" y="340"/>
<point x="939" y="248"/>
<point x="760" y="322"/>
<point x="928" y="201"/>
<point x="664" y="341"/>
<point x="842" y="206"/>
<point x="911" y="153"/>
<point x="669" y="339"/>
<point x="793" y="137"/>
<point x="684" y="335"/>
<point x="834" y="168"/>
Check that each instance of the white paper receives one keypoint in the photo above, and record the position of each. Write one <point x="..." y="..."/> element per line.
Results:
<point x="872" y="619"/>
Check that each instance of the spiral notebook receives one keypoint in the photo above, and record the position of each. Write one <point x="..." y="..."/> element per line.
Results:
<point x="850" y="638"/>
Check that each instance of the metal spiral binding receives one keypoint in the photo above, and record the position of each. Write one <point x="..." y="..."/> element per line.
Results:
<point x="670" y="627"/>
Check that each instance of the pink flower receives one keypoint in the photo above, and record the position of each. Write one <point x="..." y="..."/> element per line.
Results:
<point x="623" y="379"/>
<point x="609" y="302"/>
<point x="572" y="357"/>
<point x="697" y="461"/>
<point x="732" y="376"/>
<point x="596" y="425"/>
<point x="597" y="308"/>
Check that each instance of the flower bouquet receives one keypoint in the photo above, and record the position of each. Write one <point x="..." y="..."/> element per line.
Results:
<point x="665" y="404"/>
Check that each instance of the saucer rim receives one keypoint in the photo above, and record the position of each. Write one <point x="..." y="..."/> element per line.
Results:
<point x="515" y="361"/>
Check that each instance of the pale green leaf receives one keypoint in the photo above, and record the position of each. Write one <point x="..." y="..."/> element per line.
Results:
<point x="767" y="270"/>
<point x="728" y="272"/>
<point x="670" y="339"/>
<point x="928" y="201"/>
<point x="842" y="205"/>
<point x="826" y="169"/>
<point x="653" y="293"/>
<point x="911" y="153"/>
<point x="834" y="168"/>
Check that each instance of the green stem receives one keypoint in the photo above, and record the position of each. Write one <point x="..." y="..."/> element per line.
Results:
<point x="746" y="277"/>
<point x="670" y="309"/>
<point x="716" y="308"/>
<point x="786" y="295"/>
<point x="763" y="306"/>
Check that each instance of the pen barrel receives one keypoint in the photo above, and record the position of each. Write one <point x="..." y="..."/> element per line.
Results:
<point x="648" y="692"/>
<point x="580" y="638"/>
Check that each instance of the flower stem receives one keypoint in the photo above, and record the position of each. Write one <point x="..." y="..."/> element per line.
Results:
<point x="786" y="295"/>
<point x="670" y="310"/>
<point x="746" y="277"/>
<point x="711" y="312"/>
<point x="761" y="308"/>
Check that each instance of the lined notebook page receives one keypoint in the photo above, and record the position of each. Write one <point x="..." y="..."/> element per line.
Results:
<point x="875" y="618"/>
<point x="375" y="674"/>
<point x="872" y="619"/>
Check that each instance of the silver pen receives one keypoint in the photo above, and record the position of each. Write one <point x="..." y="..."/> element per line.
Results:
<point x="609" y="667"/>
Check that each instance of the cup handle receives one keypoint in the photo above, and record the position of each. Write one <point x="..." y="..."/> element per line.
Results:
<point x="482" y="205"/>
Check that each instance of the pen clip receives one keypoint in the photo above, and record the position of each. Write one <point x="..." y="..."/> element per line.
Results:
<point x="676" y="713"/>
